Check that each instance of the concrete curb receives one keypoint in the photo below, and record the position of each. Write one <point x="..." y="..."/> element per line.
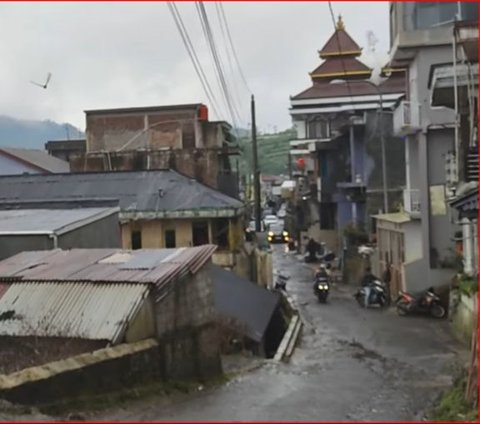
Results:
<point x="290" y="338"/>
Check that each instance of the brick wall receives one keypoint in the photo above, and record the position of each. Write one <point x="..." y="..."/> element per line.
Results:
<point x="141" y="130"/>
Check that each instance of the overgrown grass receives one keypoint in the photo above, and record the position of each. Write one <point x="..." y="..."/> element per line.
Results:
<point x="453" y="407"/>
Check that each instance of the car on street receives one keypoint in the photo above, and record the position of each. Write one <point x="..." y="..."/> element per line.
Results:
<point x="277" y="233"/>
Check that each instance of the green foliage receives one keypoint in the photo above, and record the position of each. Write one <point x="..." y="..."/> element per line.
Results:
<point x="272" y="153"/>
<point x="453" y="406"/>
<point x="467" y="285"/>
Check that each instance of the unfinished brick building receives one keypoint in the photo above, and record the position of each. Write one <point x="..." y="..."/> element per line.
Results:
<point x="178" y="137"/>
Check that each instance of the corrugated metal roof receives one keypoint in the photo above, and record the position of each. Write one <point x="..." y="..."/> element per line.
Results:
<point x="49" y="221"/>
<point x="38" y="158"/>
<point x="73" y="310"/>
<point x="157" y="192"/>
<point x="106" y="265"/>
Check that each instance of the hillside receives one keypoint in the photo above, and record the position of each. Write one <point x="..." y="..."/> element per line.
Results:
<point x="272" y="153"/>
<point x="33" y="134"/>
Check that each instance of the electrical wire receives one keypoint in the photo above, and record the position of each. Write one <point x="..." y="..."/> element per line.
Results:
<point x="229" y="35"/>
<point x="218" y="65"/>
<point x="230" y="59"/>
<point x="193" y="57"/>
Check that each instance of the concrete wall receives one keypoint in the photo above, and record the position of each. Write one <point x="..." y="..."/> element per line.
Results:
<point x="412" y="166"/>
<point x="414" y="278"/>
<point x="185" y="321"/>
<point x="464" y="316"/>
<point x="264" y="267"/>
<point x="10" y="166"/>
<point x="441" y="229"/>
<point x="11" y="245"/>
<point x="142" y="325"/>
<point x="413" y="241"/>
<point x="203" y="165"/>
<point x="419" y="91"/>
<point x="87" y="374"/>
<point x="17" y="353"/>
<point x="104" y="233"/>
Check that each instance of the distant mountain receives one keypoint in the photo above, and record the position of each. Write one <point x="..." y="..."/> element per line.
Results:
<point x="34" y="134"/>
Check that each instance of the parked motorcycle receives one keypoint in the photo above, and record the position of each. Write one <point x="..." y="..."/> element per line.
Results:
<point x="321" y="288"/>
<point x="281" y="282"/>
<point x="425" y="303"/>
<point x="377" y="294"/>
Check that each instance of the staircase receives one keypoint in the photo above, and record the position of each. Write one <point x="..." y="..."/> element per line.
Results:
<point x="472" y="164"/>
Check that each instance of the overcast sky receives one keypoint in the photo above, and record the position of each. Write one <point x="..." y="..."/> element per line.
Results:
<point x="108" y="55"/>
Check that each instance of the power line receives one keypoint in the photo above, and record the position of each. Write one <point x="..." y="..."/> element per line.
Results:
<point x="218" y="65"/>
<point x="193" y="56"/>
<point x="228" y="53"/>
<point x="222" y="11"/>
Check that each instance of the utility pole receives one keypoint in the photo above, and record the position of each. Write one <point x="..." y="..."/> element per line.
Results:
<point x="256" y="170"/>
<point x="384" y="157"/>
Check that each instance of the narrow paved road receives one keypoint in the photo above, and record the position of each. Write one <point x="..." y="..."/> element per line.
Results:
<point x="351" y="365"/>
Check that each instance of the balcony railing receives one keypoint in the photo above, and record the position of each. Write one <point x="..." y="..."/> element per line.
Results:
<point x="411" y="201"/>
<point x="406" y="118"/>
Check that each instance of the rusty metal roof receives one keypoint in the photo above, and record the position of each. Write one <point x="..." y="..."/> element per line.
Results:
<point x="155" y="266"/>
<point x="85" y="310"/>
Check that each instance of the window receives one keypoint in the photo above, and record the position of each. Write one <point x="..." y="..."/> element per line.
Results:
<point x="200" y="233"/>
<point x="319" y="129"/>
<point x="136" y="240"/>
<point x="220" y="233"/>
<point x="170" y="239"/>
<point x="425" y="15"/>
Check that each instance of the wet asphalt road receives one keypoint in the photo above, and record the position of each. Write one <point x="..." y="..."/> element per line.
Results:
<point x="351" y="365"/>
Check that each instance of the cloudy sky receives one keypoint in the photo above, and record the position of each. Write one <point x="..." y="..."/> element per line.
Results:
<point x="107" y="55"/>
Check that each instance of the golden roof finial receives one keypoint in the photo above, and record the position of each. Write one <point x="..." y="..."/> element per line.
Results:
<point x="340" y="25"/>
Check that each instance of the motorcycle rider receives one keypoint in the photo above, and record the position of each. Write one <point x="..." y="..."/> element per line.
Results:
<point x="367" y="282"/>
<point x="321" y="272"/>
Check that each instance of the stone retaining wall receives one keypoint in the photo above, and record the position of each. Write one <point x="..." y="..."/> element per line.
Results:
<point x="464" y="316"/>
<point x="92" y="373"/>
